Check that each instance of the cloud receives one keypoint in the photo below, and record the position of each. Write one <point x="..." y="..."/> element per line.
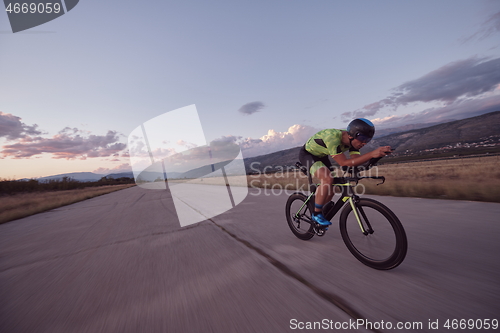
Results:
<point x="124" y="167"/>
<point x="295" y="136"/>
<point x="460" y="80"/>
<point x="12" y="128"/>
<point x="459" y="109"/>
<point x="221" y="149"/>
<point x="187" y="145"/>
<point x="251" y="108"/>
<point x="68" y="144"/>
<point x="466" y="78"/>
<point x="488" y="28"/>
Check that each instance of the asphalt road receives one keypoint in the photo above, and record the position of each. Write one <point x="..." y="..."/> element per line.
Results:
<point x="122" y="263"/>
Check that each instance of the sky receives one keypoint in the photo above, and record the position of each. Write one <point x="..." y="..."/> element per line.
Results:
<point x="265" y="75"/>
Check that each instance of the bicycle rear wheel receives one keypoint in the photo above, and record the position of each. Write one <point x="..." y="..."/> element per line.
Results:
<point x="298" y="216"/>
<point x="384" y="244"/>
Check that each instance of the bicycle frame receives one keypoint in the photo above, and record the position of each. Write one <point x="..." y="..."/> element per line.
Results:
<point x="347" y="195"/>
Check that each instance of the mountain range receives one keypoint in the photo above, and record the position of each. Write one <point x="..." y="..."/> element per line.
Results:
<point x="92" y="177"/>
<point x="404" y="128"/>
<point x="455" y="133"/>
<point x="80" y="176"/>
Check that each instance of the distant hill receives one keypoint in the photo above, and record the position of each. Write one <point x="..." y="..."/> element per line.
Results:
<point x="459" y="132"/>
<point x="384" y="132"/>
<point x="84" y="176"/>
<point x="92" y="177"/>
<point x="80" y="176"/>
<point x="121" y="175"/>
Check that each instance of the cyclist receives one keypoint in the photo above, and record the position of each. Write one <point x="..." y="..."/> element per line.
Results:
<point x="334" y="142"/>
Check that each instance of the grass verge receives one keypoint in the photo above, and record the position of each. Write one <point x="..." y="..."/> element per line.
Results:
<point x="17" y="206"/>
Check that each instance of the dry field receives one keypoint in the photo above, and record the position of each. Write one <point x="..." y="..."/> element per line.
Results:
<point x="21" y="205"/>
<point x="476" y="179"/>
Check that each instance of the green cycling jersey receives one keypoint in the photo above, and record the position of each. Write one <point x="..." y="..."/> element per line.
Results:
<point x="324" y="143"/>
<point x="328" y="142"/>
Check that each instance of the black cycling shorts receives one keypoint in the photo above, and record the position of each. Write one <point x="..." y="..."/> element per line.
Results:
<point x="309" y="160"/>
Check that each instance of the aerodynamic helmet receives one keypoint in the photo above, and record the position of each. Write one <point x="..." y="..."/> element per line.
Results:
<point x="361" y="129"/>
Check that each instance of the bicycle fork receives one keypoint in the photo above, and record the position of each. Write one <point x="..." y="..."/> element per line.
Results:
<point x="357" y="210"/>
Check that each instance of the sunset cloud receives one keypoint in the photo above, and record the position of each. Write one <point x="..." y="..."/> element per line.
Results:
<point x="273" y="141"/>
<point x="124" y="167"/>
<point x="67" y="144"/>
<point x="295" y="136"/>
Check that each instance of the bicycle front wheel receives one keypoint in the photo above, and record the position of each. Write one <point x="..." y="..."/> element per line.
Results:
<point x="298" y="216"/>
<point x="380" y="241"/>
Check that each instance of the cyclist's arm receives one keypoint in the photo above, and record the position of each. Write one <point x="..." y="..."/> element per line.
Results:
<point x="342" y="160"/>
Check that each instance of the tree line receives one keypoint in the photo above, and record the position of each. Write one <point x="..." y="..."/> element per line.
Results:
<point x="65" y="183"/>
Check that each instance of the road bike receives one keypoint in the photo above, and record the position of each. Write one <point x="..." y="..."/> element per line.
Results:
<point x="369" y="229"/>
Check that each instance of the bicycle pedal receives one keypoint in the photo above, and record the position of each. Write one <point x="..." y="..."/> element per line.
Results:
<point x="321" y="232"/>
<point x="318" y="226"/>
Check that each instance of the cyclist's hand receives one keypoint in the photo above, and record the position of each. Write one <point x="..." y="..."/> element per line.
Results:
<point x="381" y="152"/>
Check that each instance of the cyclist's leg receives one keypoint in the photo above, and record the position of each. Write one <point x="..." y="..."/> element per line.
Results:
<point x="324" y="192"/>
<point x="315" y="163"/>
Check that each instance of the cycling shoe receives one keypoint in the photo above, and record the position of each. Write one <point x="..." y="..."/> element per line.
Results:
<point x="320" y="219"/>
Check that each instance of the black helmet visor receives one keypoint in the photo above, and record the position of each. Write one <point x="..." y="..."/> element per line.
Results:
<point x="363" y="138"/>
